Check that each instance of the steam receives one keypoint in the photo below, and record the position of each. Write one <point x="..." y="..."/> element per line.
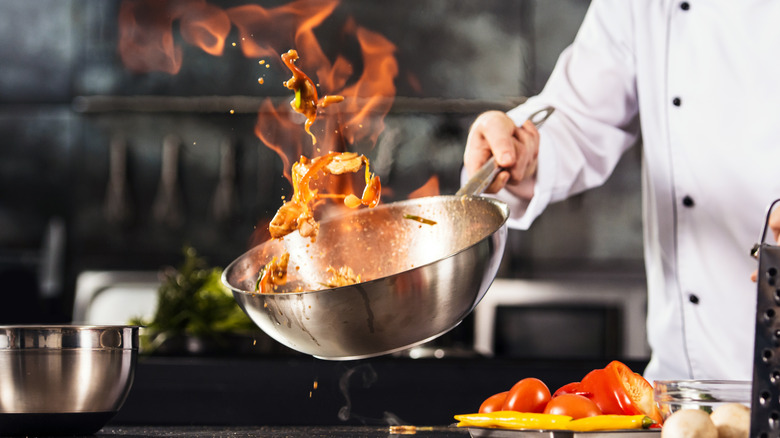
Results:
<point x="367" y="376"/>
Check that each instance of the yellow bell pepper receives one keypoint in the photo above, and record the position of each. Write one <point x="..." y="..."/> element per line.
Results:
<point x="514" y="420"/>
<point x="528" y="420"/>
<point x="610" y="422"/>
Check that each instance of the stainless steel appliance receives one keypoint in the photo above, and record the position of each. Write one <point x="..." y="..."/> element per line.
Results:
<point x="566" y="317"/>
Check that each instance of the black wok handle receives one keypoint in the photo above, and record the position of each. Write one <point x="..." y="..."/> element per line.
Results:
<point x="480" y="181"/>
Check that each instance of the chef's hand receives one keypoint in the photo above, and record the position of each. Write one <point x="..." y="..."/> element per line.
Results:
<point x="516" y="150"/>
<point x="774" y="225"/>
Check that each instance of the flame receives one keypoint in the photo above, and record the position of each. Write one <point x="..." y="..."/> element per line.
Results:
<point x="275" y="129"/>
<point x="270" y="32"/>
<point x="146" y="36"/>
<point x="206" y="26"/>
<point x="368" y="97"/>
<point x="376" y="85"/>
<point x="146" y="39"/>
<point x="147" y="43"/>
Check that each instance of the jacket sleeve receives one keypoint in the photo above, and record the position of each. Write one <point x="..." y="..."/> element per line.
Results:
<point x="593" y="90"/>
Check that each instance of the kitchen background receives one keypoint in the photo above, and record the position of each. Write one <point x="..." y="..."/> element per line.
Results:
<point x="104" y="168"/>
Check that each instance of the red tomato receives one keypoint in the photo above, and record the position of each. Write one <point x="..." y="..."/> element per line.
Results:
<point x="569" y="388"/>
<point x="618" y="390"/>
<point x="573" y="405"/>
<point x="493" y="403"/>
<point x="527" y="395"/>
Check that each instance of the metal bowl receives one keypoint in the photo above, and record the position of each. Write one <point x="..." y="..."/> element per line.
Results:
<point x="64" y="379"/>
<point x="422" y="279"/>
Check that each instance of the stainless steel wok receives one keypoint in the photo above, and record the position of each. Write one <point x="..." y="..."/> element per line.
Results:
<point x="422" y="279"/>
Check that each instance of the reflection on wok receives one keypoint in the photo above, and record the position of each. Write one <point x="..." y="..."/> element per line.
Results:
<point x="419" y="280"/>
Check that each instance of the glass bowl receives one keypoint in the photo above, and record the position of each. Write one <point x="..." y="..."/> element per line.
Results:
<point x="673" y="395"/>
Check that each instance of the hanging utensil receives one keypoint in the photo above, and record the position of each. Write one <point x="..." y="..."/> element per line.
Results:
<point x="167" y="208"/>
<point x="224" y="204"/>
<point x="117" y="208"/>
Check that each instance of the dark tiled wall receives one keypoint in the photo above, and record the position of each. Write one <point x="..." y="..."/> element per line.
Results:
<point x="55" y="152"/>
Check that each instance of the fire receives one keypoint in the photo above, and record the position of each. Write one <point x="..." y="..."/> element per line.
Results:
<point x="148" y="43"/>
<point x="146" y="39"/>
<point x="206" y="26"/>
<point x="270" y="32"/>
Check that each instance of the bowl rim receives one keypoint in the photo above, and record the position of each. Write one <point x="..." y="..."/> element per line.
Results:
<point x="497" y="203"/>
<point x="702" y="391"/>
<point x="23" y="337"/>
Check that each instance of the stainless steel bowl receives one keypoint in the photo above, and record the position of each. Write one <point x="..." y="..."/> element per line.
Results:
<point x="64" y="379"/>
<point x="422" y="279"/>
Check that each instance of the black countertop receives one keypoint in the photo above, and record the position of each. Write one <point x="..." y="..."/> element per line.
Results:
<point x="282" y="432"/>
<point x="303" y="391"/>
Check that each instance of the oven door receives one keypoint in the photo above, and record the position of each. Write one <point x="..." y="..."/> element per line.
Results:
<point x="572" y="318"/>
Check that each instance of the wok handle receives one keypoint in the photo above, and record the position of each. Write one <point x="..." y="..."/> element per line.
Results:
<point x="480" y="181"/>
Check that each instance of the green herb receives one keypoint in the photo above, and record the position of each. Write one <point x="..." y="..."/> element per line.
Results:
<point x="419" y="219"/>
<point x="297" y="102"/>
<point x="192" y="301"/>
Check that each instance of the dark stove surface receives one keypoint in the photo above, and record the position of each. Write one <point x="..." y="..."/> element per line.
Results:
<point x="283" y="431"/>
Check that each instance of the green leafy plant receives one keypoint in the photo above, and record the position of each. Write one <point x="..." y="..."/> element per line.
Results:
<point x="192" y="301"/>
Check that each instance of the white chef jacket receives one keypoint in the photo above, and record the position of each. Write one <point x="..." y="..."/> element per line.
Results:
<point x="700" y="79"/>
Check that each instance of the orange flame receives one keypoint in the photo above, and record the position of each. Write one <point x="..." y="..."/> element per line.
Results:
<point x="146" y="40"/>
<point x="376" y="85"/>
<point x="146" y="36"/>
<point x="207" y="27"/>
<point x="270" y="32"/>
<point x="147" y="43"/>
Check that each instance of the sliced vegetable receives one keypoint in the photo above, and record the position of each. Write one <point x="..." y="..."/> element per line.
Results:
<point x="306" y="100"/>
<point x="610" y="422"/>
<point x="298" y="212"/>
<point x="514" y="420"/>
<point x="422" y="220"/>
<point x="618" y="390"/>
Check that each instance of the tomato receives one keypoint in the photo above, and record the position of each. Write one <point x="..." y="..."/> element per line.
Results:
<point x="527" y="395"/>
<point x="493" y="403"/>
<point x="618" y="390"/>
<point x="573" y="405"/>
<point x="569" y="388"/>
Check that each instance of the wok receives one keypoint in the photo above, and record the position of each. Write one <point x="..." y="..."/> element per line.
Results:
<point x="421" y="279"/>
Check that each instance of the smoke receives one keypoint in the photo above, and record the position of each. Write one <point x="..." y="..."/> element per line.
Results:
<point x="367" y="376"/>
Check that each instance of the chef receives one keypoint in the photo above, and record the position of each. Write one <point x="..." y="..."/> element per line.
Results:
<point x="697" y="83"/>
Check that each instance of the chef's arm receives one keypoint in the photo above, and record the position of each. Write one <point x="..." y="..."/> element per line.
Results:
<point x="593" y="91"/>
